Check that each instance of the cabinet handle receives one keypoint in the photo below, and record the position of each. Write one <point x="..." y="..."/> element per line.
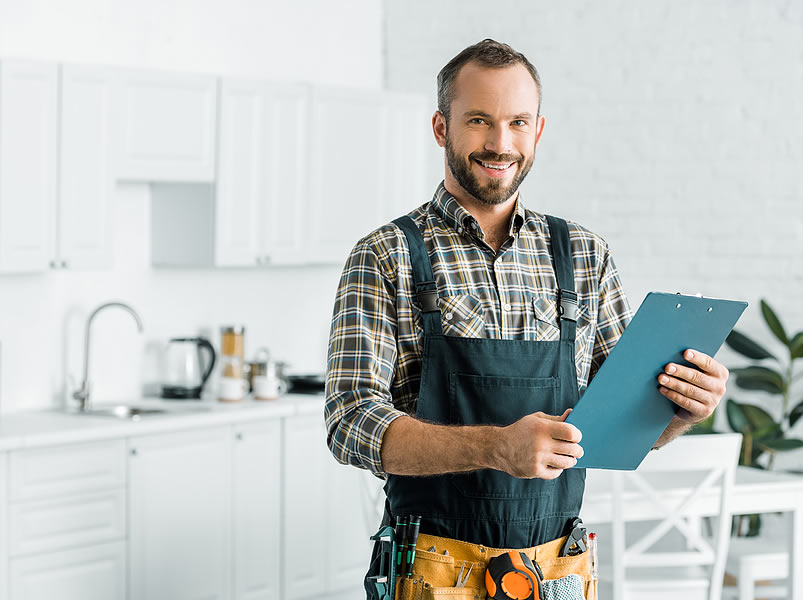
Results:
<point x="64" y="264"/>
<point x="238" y="436"/>
<point x="266" y="259"/>
<point x="54" y="264"/>
<point x="259" y="260"/>
<point x="134" y="452"/>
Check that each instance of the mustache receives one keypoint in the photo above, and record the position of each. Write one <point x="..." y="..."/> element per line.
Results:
<point x="491" y="157"/>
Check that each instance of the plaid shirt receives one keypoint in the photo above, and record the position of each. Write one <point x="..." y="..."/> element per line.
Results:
<point x="376" y="340"/>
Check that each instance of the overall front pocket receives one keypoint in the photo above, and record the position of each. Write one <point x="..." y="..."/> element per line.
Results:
<point x="495" y="400"/>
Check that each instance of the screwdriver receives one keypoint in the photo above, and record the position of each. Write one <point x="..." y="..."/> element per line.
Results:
<point x="412" y="540"/>
<point x="401" y="533"/>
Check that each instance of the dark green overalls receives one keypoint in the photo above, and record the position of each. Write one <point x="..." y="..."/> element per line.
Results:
<point x="472" y="381"/>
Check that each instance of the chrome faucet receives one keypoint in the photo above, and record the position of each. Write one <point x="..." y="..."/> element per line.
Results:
<point x="82" y="394"/>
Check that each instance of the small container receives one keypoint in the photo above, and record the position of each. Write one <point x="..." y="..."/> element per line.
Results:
<point x="232" y="341"/>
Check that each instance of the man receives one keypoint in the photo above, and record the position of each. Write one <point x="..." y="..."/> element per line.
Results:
<point x="464" y="334"/>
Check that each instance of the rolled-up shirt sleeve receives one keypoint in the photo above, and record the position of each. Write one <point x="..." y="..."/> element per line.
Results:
<point x="361" y="362"/>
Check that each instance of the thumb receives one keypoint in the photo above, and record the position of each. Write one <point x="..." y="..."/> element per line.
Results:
<point x="559" y="418"/>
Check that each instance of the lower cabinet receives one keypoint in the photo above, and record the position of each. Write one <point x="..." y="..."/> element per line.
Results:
<point x="179" y="515"/>
<point x="326" y="531"/>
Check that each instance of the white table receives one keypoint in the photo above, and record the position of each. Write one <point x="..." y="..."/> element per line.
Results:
<point x="754" y="491"/>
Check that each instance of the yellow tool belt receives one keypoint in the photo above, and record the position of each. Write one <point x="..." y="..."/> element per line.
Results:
<point x="435" y="573"/>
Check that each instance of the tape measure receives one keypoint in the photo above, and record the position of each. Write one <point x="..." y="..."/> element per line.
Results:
<point x="513" y="576"/>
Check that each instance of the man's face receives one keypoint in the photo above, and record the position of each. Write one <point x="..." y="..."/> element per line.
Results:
<point x="491" y="134"/>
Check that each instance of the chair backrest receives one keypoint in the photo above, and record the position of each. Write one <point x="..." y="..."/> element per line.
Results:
<point x="675" y="486"/>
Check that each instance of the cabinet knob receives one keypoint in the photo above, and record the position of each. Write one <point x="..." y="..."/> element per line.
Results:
<point x="266" y="259"/>
<point x="238" y="436"/>
<point x="134" y="452"/>
<point x="64" y="264"/>
<point x="54" y="264"/>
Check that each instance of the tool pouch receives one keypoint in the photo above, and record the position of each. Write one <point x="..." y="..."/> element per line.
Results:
<point x="381" y="574"/>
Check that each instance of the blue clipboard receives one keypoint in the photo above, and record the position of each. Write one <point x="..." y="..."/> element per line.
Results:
<point x="622" y="413"/>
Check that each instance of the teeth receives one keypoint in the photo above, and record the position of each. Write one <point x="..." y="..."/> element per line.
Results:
<point x="497" y="167"/>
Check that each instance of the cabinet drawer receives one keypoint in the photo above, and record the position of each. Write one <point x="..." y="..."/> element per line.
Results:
<point x="47" y="525"/>
<point x="79" y="574"/>
<point x="73" y="469"/>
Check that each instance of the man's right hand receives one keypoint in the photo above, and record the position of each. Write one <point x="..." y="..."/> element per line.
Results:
<point x="539" y="446"/>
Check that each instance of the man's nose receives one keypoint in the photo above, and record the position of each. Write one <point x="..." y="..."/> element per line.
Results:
<point x="499" y="140"/>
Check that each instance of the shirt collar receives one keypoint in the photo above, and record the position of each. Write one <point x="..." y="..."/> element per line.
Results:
<point x="452" y="212"/>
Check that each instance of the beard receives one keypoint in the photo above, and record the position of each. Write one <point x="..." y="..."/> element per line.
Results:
<point x="495" y="191"/>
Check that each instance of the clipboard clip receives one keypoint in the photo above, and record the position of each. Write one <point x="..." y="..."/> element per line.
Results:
<point x="567" y="305"/>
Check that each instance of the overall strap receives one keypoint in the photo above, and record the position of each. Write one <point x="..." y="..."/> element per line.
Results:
<point x="564" y="271"/>
<point x="426" y="289"/>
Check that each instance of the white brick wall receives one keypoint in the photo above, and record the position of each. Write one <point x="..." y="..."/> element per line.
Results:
<point x="673" y="128"/>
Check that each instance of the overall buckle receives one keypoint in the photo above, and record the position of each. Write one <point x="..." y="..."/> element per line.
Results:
<point x="568" y="306"/>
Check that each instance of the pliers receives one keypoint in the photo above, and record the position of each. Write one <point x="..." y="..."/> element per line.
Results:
<point x="461" y="580"/>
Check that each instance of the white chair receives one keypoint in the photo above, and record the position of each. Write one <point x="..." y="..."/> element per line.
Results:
<point x="672" y="559"/>
<point x="756" y="560"/>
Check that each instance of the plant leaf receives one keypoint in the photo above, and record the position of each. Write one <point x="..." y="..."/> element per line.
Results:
<point x="796" y="345"/>
<point x="736" y="417"/>
<point x="759" y="378"/>
<point x="747" y="347"/>
<point x="758" y="418"/>
<point x="773" y="322"/>
<point x="782" y="444"/>
<point x="795" y="414"/>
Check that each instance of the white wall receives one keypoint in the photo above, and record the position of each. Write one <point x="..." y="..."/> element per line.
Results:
<point x="42" y="316"/>
<point x="673" y="129"/>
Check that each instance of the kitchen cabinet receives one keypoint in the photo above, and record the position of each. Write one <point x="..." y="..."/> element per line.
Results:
<point x="165" y="126"/>
<point x="256" y="501"/>
<point x="179" y="512"/>
<point x="86" y="183"/>
<point x="323" y="516"/>
<point x="64" y="522"/>
<point x="252" y="215"/>
<point x="28" y="164"/>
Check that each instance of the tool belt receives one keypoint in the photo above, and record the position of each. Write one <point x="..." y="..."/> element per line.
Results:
<point x="436" y="572"/>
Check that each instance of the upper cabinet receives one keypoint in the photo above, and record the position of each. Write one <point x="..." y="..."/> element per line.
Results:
<point x="85" y="176"/>
<point x="165" y="126"/>
<point x="28" y="164"/>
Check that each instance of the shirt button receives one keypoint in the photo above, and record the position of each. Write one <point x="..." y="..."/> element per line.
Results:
<point x="508" y="308"/>
<point x="449" y="316"/>
<point x="460" y="230"/>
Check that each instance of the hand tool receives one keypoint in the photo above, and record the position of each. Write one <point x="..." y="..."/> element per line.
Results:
<point x="384" y="583"/>
<point x="412" y="540"/>
<point x="401" y="536"/>
<point x="461" y="581"/>
<point x="513" y="576"/>
<point x="592" y="542"/>
<point x="575" y="542"/>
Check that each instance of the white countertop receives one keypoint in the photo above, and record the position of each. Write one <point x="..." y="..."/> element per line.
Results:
<point x="54" y="427"/>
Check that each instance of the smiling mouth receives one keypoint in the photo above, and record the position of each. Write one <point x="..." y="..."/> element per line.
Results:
<point x="494" y="166"/>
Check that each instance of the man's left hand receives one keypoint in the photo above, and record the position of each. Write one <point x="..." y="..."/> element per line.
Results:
<point x="696" y="392"/>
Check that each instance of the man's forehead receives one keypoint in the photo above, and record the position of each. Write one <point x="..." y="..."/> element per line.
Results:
<point x="483" y="89"/>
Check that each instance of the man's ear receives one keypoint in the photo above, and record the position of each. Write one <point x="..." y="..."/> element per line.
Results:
<point x="540" y="128"/>
<point x="439" y="128"/>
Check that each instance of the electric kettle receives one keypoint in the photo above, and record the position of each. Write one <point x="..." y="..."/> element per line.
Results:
<point x="185" y="373"/>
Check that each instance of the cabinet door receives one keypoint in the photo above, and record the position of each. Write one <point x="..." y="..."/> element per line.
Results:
<point x="407" y="154"/>
<point x="256" y="503"/>
<point x="351" y="521"/>
<point x="241" y="162"/>
<point x="88" y="573"/>
<point x="166" y="126"/>
<point x="28" y="169"/>
<point x="179" y="490"/>
<point x="305" y="496"/>
<point x="286" y="171"/>
<point x="85" y="177"/>
<point x="347" y="143"/>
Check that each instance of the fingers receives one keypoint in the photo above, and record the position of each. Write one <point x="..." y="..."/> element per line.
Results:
<point x="706" y="363"/>
<point x="697" y="392"/>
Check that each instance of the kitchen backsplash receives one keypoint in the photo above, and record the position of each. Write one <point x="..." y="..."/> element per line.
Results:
<point x="43" y="317"/>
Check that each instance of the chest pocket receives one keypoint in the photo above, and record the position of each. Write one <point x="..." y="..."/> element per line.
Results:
<point x="462" y="316"/>
<point x="547" y="328"/>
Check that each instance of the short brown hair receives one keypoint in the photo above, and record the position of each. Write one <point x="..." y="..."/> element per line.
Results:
<point x="487" y="53"/>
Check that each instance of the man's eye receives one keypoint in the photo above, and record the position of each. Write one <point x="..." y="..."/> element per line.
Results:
<point x="477" y="121"/>
<point x="519" y="123"/>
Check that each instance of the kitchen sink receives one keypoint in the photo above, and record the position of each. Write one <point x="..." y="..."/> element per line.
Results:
<point x="135" y="413"/>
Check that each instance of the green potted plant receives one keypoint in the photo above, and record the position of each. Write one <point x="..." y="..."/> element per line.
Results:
<point x="761" y="432"/>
